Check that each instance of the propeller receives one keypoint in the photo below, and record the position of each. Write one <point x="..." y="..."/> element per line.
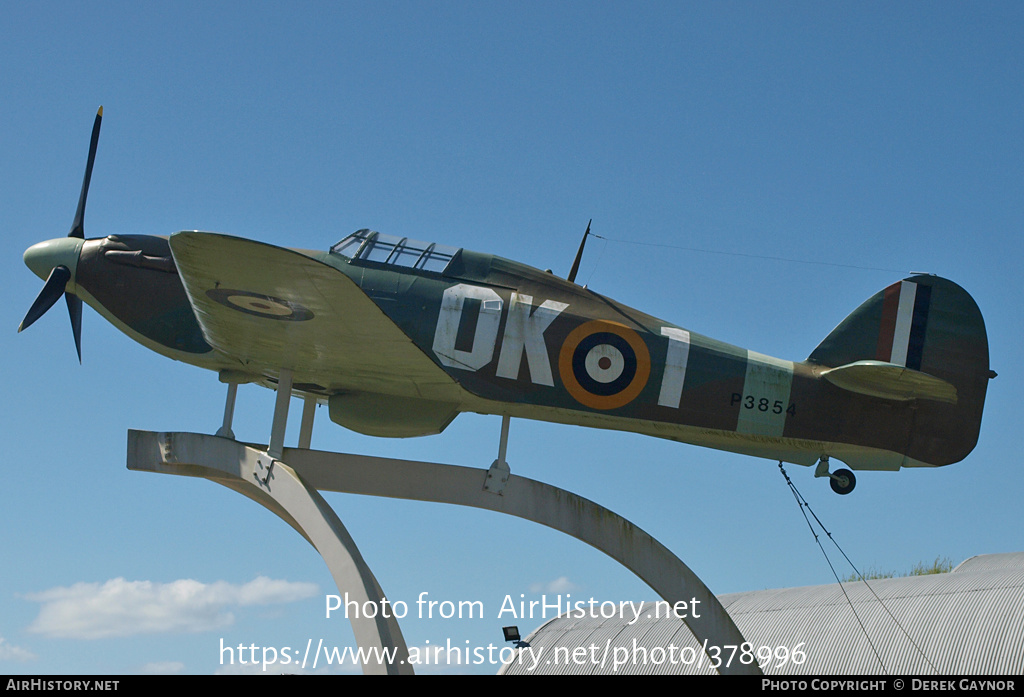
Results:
<point x="54" y="288"/>
<point x="60" y="274"/>
<point x="77" y="229"/>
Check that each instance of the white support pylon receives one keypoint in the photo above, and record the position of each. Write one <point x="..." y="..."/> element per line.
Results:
<point x="292" y="493"/>
<point x="229" y="412"/>
<point x="308" y="414"/>
<point x="281" y="404"/>
<point x="244" y="469"/>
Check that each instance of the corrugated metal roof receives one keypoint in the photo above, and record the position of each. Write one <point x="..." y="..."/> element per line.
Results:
<point x="984" y="562"/>
<point x="968" y="622"/>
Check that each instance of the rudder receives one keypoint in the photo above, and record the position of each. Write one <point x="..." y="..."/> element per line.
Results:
<point x="931" y="325"/>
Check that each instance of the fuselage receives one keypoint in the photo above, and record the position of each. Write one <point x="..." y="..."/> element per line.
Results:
<point x="518" y="341"/>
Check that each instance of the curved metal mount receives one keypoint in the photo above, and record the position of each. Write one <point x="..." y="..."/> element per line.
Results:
<point x="280" y="489"/>
<point x="236" y="466"/>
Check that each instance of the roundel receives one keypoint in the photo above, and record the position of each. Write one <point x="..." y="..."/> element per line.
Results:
<point x="260" y="305"/>
<point x="604" y="365"/>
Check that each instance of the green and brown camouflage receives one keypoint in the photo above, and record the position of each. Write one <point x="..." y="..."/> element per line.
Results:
<point x="398" y="337"/>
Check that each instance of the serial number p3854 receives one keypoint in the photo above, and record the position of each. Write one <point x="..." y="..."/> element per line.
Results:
<point x="764" y="404"/>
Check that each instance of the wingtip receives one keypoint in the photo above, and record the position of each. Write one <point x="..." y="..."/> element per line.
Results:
<point x="100" y="112"/>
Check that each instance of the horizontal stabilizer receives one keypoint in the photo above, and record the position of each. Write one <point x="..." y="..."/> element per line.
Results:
<point x="890" y="381"/>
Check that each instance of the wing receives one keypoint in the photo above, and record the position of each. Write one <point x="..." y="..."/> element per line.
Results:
<point x="272" y="308"/>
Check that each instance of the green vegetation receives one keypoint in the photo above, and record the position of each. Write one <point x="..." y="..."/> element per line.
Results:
<point x="941" y="565"/>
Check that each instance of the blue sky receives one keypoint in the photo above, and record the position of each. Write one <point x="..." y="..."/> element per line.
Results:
<point x="857" y="136"/>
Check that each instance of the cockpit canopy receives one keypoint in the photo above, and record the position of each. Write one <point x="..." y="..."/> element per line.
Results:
<point x="368" y="245"/>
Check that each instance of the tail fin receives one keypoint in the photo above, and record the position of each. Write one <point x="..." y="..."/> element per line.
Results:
<point x="918" y="339"/>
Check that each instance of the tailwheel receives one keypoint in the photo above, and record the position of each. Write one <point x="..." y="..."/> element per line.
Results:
<point x="842" y="481"/>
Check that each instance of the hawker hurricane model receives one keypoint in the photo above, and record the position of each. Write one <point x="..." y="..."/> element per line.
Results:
<point x="398" y="337"/>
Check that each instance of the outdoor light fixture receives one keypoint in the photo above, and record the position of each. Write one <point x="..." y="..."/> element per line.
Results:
<point x="512" y="634"/>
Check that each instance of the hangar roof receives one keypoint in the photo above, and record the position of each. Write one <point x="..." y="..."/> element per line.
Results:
<point x="969" y="621"/>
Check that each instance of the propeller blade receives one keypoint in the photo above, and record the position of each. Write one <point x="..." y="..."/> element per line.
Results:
<point x="78" y="226"/>
<point x="75" y="312"/>
<point x="51" y="292"/>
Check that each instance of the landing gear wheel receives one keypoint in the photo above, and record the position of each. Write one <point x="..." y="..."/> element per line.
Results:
<point x="842" y="481"/>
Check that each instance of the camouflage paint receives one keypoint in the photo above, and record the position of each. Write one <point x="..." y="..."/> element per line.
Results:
<point x="495" y="336"/>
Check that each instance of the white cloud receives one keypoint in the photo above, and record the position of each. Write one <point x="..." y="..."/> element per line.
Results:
<point x="125" y="608"/>
<point x="14" y="653"/>
<point x="163" y="668"/>
<point x="562" y="584"/>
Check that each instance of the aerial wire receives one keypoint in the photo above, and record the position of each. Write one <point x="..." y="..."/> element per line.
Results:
<point x="802" y="503"/>
<point x="598" y="262"/>
<point x="747" y="255"/>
